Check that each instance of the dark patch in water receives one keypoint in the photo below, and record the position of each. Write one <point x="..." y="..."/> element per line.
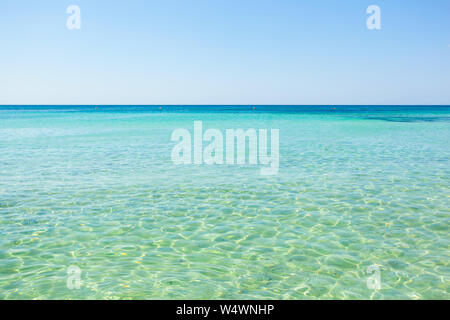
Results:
<point x="30" y="221"/>
<point x="410" y="119"/>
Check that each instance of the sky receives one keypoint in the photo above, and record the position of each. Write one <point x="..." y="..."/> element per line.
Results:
<point x="224" y="52"/>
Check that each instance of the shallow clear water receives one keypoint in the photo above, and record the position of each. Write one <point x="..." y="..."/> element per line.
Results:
<point x="96" y="189"/>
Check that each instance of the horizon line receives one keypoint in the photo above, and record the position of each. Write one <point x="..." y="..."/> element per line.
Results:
<point x="175" y="105"/>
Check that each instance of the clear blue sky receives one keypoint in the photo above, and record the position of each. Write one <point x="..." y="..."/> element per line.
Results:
<point x="224" y="52"/>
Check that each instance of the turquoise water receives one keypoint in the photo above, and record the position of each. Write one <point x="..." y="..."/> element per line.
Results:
<point x="96" y="189"/>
